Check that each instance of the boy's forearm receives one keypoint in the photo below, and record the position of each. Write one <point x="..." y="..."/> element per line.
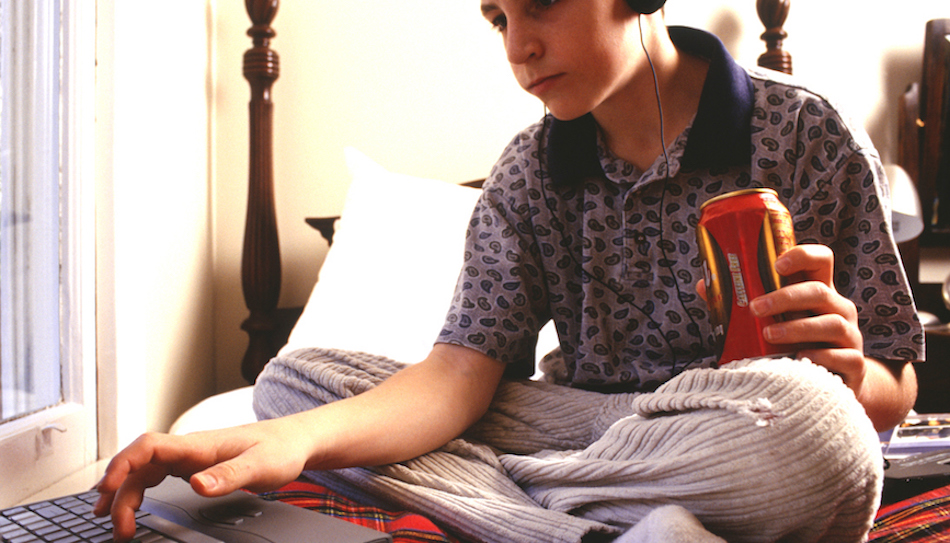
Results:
<point x="413" y="412"/>
<point x="889" y="392"/>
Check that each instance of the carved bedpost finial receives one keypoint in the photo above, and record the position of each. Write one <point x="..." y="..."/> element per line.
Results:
<point x="261" y="63"/>
<point x="773" y="13"/>
<point x="261" y="12"/>
<point x="260" y="263"/>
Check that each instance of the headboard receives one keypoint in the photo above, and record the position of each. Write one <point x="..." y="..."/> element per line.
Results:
<point x="267" y="325"/>
<point x="923" y="137"/>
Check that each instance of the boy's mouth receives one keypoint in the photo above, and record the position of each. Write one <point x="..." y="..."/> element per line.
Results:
<point x="542" y="84"/>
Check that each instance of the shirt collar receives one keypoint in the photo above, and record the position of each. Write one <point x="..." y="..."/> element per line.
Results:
<point x="719" y="137"/>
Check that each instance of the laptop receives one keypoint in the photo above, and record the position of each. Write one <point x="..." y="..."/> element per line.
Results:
<point x="173" y="512"/>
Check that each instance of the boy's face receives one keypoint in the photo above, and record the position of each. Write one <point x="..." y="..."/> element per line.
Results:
<point x="574" y="55"/>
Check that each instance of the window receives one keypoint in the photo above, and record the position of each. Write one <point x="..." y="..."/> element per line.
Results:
<point x="29" y="208"/>
<point x="47" y="243"/>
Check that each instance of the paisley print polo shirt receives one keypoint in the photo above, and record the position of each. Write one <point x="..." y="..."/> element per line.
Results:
<point x="609" y="252"/>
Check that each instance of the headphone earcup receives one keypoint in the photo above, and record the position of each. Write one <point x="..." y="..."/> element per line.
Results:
<point x="646" y="6"/>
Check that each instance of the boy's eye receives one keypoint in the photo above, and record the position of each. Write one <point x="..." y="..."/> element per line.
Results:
<point x="499" y="23"/>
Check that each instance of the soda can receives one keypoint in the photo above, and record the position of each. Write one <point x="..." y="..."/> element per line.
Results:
<point x="740" y="235"/>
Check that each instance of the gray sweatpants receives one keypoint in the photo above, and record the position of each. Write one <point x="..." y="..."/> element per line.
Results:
<point x="757" y="451"/>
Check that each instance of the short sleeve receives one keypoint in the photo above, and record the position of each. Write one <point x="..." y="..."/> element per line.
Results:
<point x="501" y="301"/>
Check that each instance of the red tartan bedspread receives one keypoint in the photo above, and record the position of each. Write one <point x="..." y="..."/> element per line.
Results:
<point x="922" y="518"/>
<point x="404" y="527"/>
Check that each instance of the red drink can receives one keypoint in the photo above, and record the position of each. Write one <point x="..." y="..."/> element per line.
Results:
<point x="740" y="235"/>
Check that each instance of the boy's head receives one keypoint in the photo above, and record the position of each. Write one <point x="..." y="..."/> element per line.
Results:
<point x="578" y="55"/>
<point x="646" y="6"/>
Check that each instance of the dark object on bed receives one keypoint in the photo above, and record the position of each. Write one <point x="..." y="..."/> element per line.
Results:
<point x="915" y="474"/>
<point x="923" y="122"/>
<point x="934" y="114"/>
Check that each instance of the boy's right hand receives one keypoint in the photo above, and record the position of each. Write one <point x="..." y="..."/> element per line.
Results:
<point x="261" y="456"/>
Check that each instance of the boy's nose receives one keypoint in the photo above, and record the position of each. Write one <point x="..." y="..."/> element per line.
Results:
<point x="521" y="43"/>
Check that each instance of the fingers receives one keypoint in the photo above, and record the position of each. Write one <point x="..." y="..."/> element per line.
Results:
<point x="828" y="330"/>
<point x="808" y="262"/>
<point x="152" y="457"/>
<point x="814" y="311"/>
<point x="127" y="500"/>
<point x="121" y="488"/>
<point x="811" y="297"/>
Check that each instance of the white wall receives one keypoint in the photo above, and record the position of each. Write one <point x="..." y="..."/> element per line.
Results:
<point x="423" y="87"/>
<point x="863" y="54"/>
<point x="153" y="215"/>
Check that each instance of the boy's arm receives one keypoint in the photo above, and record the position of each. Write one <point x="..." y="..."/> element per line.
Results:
<point x="413" y="412"/>
<point x="888" y="392"/>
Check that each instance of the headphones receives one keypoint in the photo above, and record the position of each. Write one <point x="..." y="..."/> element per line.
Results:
<point x="646" y="6"/>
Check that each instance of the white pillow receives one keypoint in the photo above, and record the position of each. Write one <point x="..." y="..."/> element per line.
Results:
<point x="222" y="410"/>
<point x="387" y="281"/>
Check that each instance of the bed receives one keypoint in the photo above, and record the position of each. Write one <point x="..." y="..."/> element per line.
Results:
<point x="414" y="310"/>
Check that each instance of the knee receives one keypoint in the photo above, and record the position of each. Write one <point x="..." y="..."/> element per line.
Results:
<point x="799" y="453"/>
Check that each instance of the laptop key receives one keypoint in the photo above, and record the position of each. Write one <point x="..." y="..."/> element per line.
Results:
<point x="13" y="533"/>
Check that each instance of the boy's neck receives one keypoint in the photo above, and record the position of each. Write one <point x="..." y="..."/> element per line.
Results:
<point x="632" y="128"/>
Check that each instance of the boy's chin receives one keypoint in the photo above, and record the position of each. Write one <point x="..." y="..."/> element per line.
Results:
<point x="563" y="114"/>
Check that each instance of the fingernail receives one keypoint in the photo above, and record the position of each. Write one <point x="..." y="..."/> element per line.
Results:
<point x="209" y="482"/>
<point x="759" y="307"/>
<point x="773" y="332"/>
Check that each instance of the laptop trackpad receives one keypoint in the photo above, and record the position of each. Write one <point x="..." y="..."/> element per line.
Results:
<point x="241" y="517"/>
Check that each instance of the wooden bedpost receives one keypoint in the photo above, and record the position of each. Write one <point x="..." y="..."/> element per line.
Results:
<point x="260" y="263"/>
<point x="773" y="13"/>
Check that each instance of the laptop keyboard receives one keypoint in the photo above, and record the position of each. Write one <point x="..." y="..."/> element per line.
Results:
<point x="66" y="520"/>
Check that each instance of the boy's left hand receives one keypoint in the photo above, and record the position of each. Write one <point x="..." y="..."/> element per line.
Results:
<point x="822" y="322"/>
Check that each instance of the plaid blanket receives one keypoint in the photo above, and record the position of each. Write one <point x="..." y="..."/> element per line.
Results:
<point x="403" y="526"/>
<point x="922" y="518"/>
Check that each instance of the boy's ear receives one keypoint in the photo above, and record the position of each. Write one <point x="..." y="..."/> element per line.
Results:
<point x="645" y="6"/>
